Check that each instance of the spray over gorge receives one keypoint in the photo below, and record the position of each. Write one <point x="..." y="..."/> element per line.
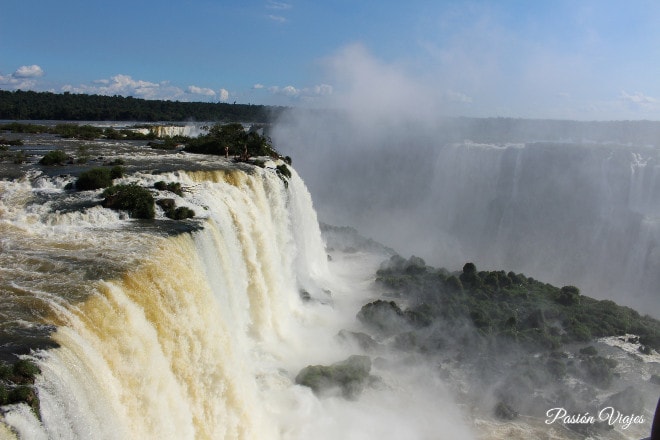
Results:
<point x="183" y="287"/>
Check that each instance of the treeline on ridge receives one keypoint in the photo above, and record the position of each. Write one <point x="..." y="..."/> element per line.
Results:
<point x="28" y="105"/>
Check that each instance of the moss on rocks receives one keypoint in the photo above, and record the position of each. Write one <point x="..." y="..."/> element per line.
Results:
<point x="349" y="376"/>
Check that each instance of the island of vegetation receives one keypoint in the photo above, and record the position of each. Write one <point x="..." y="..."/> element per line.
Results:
<point x="523" y="346"/>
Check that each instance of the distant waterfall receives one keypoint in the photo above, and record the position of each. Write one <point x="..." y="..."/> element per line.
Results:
<point x="538" y="197"/>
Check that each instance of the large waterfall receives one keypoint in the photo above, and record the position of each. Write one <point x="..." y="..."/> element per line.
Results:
<point x="195" y="330"/>
<point x="173" y="343"/>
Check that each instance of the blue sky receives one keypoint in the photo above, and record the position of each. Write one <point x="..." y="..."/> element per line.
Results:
<point x="591" y="59"/>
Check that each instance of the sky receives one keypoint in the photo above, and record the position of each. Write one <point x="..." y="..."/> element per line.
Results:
<point x="558" y="59"/>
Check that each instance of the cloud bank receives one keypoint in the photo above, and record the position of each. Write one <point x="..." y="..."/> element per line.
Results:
<point x="25" y="77"/>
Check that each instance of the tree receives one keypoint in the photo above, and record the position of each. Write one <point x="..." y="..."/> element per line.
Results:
<point x="569" y="295"/>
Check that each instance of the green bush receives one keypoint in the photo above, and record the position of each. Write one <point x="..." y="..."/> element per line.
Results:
<point x="55" y="157"/>
<point x="569" y="295"/>
<point x="350" y="376"/>
<point x="180" y="213"/>
<point x="5" y="371"/>
<point x="136" y="200"/>
<point x="283" y="170"/>
<point x="24" y="394"/>
<point x="19" y="127"/>
<point x="174" y="187"/>
<point x="77" y="131"/>
<point x="96" y="178"/>
<point x="26" y="370"/>
<point x="117" y="172"/>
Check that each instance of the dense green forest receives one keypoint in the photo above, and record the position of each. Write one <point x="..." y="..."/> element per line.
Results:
<point x="27" y="105"/>
<point x="531" y="345"/>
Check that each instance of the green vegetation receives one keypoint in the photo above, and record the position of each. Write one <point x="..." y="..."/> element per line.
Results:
<point x="16" y="383"/>
<point x="525" y="340"/>
<point x="19" y="127"/>
<point x="136" y="200"/>
<point x="55" y="157"/>
<point x="11" y="142"/>
<point x="96" y="178"/>
<point x="513" y="306"/>
<point x="350" y="376"/>
<point x="174" y="187"/>
<point x="171" y="210"/>
<point x="76" y="131"/>
<point x="76" y="107"/>
<point x="284" y="171"/>
<point x="180" y="213"/>
<point x="127" y="135"/>
<point x="232" y="140"/>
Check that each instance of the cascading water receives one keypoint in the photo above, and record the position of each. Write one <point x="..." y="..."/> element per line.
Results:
<point x="536" y="197"/>
<point x="170" y="344"/>
<point x="198" y="328"/>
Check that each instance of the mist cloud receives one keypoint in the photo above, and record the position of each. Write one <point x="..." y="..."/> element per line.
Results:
<point x="374" y="91"/>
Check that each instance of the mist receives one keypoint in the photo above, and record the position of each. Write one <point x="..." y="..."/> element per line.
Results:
<point x="562" y="201"/>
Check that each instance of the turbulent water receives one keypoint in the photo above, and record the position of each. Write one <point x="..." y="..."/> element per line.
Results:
<point x="199" y="334"/>
<point x="197" y="329"/>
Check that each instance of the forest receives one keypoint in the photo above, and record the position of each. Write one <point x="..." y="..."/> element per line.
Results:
<point x="28" y="105"/>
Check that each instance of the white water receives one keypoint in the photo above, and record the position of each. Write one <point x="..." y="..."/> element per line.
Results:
<point x="198" y="335"/>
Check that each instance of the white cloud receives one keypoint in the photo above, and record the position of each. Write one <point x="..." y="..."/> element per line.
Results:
<point x="258" y="86"/>
<point x="638" y="98"/>
<point x="32" y="71"/>
<point x="125" y="85"/>
<point x="224" y="95"/>
<point x="271" y="4"/>
<point x="290" y="91"/>
<point x="200" y="91"/>
<point x="302" y="93"/>
<point x="23" y="78"/>
<point x="277" y="18"/>
<point x="280" y="7"/>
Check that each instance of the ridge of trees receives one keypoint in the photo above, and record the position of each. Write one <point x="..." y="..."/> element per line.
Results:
<point x="29" y="105"/>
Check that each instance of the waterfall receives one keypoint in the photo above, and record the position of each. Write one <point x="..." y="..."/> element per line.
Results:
<point x="536" y="197"/>
<point x="176" y="341"/>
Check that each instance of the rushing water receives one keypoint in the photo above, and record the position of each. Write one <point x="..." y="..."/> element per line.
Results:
<point x="197" y="329"/>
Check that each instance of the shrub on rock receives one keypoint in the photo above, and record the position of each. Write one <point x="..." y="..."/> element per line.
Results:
<point x="136" y="200"/>
<point x="385" y="316"/>
<point x="350" y="376"/>
<point x="55" y="157"/>
<point x="96" y="178"/>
